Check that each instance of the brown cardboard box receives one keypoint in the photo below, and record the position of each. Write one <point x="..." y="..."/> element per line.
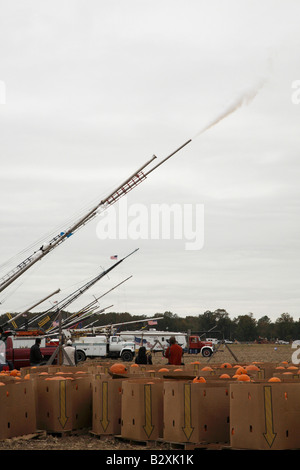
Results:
<point x="265" y="416"/>
<point x="17" y="417"/>
<point x="64" y="405"/>
<point x="107" y="401"/>
<point x="82" y="402"/>
<point x="142" y="409"/>
<point x="196" y="412"/>
<point x="54" y="405"/>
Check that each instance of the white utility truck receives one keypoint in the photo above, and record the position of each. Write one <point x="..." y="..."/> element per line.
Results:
<point x="102" y="346"/>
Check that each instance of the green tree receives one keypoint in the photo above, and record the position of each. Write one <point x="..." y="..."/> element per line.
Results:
<point x="265" y="328"/>
<point x="284" y="327"/>
<point x="246" y="328"/>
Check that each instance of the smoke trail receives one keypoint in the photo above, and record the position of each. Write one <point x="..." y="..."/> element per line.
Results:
<point x="245" y="98"/>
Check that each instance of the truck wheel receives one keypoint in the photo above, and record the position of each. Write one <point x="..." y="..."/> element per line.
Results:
<point x="206" y="352"/>
<point x="127" y="356"/>
<point x="81" y="357"/>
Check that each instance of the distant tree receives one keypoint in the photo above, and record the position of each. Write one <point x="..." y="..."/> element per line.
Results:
<point x="246" y="328"/>
<point x="284" y="327"/>
<point x="265" y="327"/>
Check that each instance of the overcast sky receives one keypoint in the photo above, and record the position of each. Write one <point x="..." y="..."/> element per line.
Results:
<point x="90" y="90"/>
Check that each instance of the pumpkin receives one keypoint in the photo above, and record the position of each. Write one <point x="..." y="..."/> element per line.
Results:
<point x="274" y="379"/>
<point x="118" y="369"/>
<point x="207" y="368"/>
<point x="134" y="365"/>
<point x="241" y="370"/>
<point x="243" y="377"/>
<point x="163" y="369"/>
<point x="224" y="376"/>
<point x="14" y="373"/>
<point x="199" y="380"/>
<point x="252" y="367"/>
<point x="226" y="365"/>
<point x="1" y="383"/>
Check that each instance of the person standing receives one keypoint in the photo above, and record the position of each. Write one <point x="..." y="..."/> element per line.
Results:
<point x="174" y="352"/>
<point x="143" y="357"/>
<point x="69" y="353"/>
<point x="36" y="356"/>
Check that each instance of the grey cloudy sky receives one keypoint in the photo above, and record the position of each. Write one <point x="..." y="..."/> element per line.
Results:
<point x="93" y="89"/>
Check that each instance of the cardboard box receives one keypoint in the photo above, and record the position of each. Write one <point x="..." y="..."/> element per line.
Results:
<point x="142" y="409"/>
<point x="18" y="416"/>
<point x="107" y="402"/>
<point x="265" y="416"/>
<point x="64" y="405"/>
<point x="82" y="402"/>
<point x="54" y="405"/>
<point x="196" y="412"/>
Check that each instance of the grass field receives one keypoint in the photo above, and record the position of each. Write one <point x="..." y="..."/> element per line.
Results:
<point x="243" y="352"/>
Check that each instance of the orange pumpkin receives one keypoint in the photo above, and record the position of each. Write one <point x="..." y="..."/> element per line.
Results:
<point x="199" y="380"/>
<point x="207" y="368"/>
<point x="118" y="369"/>
<point x="163" y="369"/>
<point x="224" y="376"/>
<point x="226" y="365"/>
<point x="241" y="370"/>
<point x="243" y="378"/>
<point x="274" y="379"/>
<point x="14" y="372"/>
<point x="252" y="367"/>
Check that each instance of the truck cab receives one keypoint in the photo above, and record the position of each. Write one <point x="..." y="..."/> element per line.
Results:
<point x="196" y="345"/>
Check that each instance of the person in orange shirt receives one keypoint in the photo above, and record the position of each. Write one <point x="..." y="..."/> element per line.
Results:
<point x="174" y="352"/>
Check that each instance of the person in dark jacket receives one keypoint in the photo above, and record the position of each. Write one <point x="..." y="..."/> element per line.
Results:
<point x="36" y="356"/>
<point x="142" y="357"/>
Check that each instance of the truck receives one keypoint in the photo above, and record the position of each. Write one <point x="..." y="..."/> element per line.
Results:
<point x="196" y="346"/>
<point x="103" y="346"/>
<point x="15" y="349"/>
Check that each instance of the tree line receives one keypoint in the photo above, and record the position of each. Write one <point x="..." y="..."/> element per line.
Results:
<point x="217" y="324"/>
<point x="243" y="328"/>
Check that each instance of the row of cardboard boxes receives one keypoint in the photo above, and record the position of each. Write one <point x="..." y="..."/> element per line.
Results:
<point x="148" y="403"/>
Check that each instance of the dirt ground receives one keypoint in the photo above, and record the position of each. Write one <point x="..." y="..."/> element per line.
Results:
<point x="86" y="441"/>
